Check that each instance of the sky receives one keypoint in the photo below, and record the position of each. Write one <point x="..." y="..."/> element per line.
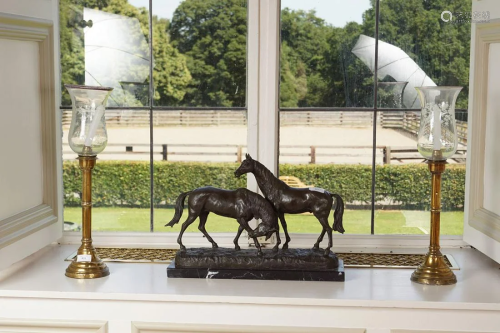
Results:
<point x="335" y="12"/>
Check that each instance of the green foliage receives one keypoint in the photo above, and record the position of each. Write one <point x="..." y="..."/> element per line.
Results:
<point x="304" y="39"/>
<point x="212" y="34"/>
<point x="126" y="183"/>
<point x="441" y="49"/>
<point x="171" y="75"/>
<point x="200" y="57"/>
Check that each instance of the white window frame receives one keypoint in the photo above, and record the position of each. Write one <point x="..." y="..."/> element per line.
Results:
<point x="263" y="51"/>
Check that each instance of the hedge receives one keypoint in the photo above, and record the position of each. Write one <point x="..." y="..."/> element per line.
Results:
<point x="126" y="183"/>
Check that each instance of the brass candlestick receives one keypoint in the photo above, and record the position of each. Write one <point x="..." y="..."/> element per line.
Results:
<point x="87" y="137"/>
<point x="436" y="141"/>
<point x="434" y="269"/>
<point x="87" y="265"/>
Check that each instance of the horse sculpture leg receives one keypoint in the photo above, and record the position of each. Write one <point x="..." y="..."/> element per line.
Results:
<point x="191" y="218"/>
<point x="278" y="239"/>
<point x="320" y="239"/>
<point x="244" y="224"/>
<point x="236" y="246"/>
<point x="285" y="229"/>
<point x="201" y="227"/>
<point x="326" y="228"/>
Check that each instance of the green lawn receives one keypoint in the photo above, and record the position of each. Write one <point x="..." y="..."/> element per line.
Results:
<point x="355" y="221"/>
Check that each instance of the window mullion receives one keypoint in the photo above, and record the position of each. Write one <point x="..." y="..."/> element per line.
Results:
<point x="375" y="113"/>
<point x="151" y="99"/>
<point x="269" y="76"/>
<point x="253" y="86"/>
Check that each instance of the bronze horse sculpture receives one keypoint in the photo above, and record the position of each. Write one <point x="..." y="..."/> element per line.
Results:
<point x="286" y="199"/>
<point x="241" y="204"/>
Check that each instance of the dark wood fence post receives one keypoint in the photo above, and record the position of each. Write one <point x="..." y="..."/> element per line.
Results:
<point x="387" y="155"/>
<point x="313" y="155"/>
<point x="164" y="152"/>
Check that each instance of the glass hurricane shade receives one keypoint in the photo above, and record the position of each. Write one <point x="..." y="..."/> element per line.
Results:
<point x="437" y="137"/>
<point x="87" y="135"/>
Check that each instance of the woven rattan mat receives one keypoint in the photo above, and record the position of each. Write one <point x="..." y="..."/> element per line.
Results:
<point x="359" y="260"/>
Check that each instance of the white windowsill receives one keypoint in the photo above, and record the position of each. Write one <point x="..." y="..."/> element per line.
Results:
<point x="42" y="276"/>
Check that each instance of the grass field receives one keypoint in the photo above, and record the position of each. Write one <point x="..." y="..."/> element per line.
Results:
<point x="355" y="221"/>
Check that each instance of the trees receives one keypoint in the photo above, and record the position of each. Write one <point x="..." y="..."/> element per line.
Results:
<point x="171" y="75"/>
<point x="440" y="48"/>
<point x="200" y="57"/>
<point x="304" y="44"/>
<point x="212" y="34"/>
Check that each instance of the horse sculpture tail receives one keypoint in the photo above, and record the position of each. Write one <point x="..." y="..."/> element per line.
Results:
<point x="179" y="208"/>
<point x="338" y="213"/>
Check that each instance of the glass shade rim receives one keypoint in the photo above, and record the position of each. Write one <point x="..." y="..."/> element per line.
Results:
<point x="76" y="86"/>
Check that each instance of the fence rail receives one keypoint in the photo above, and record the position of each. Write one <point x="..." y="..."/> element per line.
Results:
<point x="410" y="123"/>
<point x="389" y="154"/>
<point x="136" y="118"/>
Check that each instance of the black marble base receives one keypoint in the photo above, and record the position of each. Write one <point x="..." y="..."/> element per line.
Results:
<point x="247" y="259"/>
<point x="336" y="274"/>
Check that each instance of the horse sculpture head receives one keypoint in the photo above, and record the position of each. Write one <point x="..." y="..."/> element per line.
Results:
<point x="246" y="166"/>
<point x="265" y="230"/>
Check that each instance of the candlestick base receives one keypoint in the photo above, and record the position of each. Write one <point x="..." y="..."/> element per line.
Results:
<point x="434" y="271"/>
<point x="92" y="269"/>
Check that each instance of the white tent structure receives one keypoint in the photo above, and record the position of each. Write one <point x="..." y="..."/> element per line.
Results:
<point x="115" y="51"/>
<point x="394" y="62"/>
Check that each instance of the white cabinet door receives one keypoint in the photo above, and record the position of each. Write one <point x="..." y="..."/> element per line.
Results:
<point x="31" y="176"/>
<point x="482" y="201"/>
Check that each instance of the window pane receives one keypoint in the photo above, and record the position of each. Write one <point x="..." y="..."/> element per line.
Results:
<point x="322" y="63"/>
<point x="194" y="149"/>
<point x="105" y="43"/>
<point x="333" y="151"/>
<point x="200" y="52"/>
<point x="120" y="183"/>
<point x="403" y="180"/>
<point x="417" y="48"/>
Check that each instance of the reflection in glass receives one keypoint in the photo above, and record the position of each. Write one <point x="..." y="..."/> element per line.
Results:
<point x="390" y="94"/>
<point x="116" y="50"/>
<point x="393" y="62"/>
<point x="440" y="49"/>
<point x="317" y="65"/>
<point x="104" y="44"/>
